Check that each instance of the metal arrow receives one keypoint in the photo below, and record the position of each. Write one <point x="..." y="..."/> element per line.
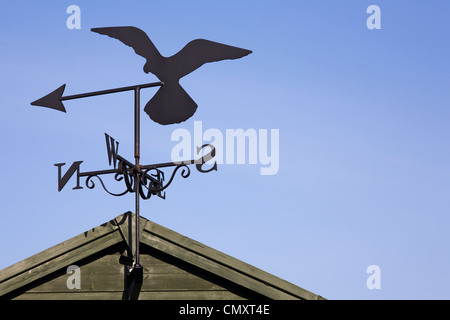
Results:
<point x="54" y="99"/>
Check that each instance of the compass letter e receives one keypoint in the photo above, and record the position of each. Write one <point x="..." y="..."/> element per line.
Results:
<point x="62" y="181"/>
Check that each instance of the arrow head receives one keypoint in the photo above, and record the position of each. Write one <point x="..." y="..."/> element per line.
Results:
<point x="52" y="100"/>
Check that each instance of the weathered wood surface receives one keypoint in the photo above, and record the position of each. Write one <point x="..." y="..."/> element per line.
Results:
<point x="175" y="267"/>
<point x="102" y="277"/>
<point x="146" y="295"/>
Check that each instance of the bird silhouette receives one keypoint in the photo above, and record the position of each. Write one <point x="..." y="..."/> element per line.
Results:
<point x="171" y="104"/>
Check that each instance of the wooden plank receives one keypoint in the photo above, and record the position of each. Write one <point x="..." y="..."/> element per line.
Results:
<point x="59" y="262"/>
<point x="89" y="283"/>
<point x="180" y="281"/>
<point x="189" y="295"/>
<point x="110" y="295"/>
<point x="144" y="295"/>
<point x="159" y="267"/>
<point x="115" y="282"/>
<point x="214" y="267"/>
<point x="103" y="274"/>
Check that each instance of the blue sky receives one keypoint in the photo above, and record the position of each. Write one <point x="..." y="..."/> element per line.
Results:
<point x="364" y="175"/>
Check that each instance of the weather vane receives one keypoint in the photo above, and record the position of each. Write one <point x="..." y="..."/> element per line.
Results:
<point x="170" y="105"/>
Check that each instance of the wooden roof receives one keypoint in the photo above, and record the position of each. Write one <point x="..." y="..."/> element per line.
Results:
<point x="157" y="238"/>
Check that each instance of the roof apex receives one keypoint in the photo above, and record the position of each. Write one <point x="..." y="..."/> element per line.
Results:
<point x="158" y="237"/>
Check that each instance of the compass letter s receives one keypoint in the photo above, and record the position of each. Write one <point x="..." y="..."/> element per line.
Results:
<point x="62" y="181"/>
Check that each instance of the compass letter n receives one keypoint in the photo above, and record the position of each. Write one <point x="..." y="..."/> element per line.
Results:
<point x="62" y="181"/>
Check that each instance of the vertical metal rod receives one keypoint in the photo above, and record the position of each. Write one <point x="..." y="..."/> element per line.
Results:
<point x="138" y="171"/>
<point x="137" y="125"/>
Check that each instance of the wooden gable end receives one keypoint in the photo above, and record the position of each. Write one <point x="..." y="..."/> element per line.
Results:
<point x="92" y="266"/>
<point x="102" y="277"/>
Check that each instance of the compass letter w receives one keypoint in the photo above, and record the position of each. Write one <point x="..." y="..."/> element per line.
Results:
<point x="112" y="150"/>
